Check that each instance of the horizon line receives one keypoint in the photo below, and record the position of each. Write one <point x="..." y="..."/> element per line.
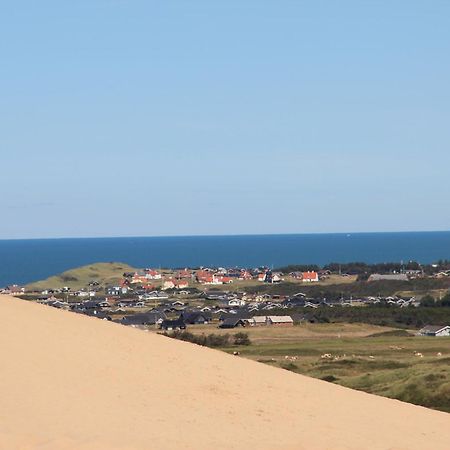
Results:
<point x="349" y="233"/>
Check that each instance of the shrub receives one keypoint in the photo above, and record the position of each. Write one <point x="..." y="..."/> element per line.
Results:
<point x="241" y="339"/>
<point x="210" y="340"/>
<point x="330" y="378"/>
<point x="217" y="340"/>
<point x="289" y="366"/>
<point x="68" y="278"/>
<point x="428" y="301"/>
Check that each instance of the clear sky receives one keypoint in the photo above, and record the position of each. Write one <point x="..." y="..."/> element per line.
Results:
<point x="121" y="118"/>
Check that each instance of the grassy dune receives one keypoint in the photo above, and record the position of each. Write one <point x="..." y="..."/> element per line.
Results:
<point x="104" y="273"/>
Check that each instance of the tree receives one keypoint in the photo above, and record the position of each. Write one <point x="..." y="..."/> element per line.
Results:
<point x="446" y="300"/>
<point x="241" y="339"/>
<point x="428" y="301"/>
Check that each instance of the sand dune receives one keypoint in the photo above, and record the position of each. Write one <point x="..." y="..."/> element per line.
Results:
<point x="72" y="382"/>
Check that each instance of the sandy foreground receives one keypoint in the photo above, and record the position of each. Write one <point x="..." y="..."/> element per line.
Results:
<point x="72" y="382"/>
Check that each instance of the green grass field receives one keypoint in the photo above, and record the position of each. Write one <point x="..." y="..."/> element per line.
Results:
<point x="373" y="359"/>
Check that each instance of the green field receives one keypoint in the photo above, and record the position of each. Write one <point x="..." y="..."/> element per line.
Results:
<point x="372" y="359"/>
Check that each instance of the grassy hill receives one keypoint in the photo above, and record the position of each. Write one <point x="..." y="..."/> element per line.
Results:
<point x="103" y="273"/>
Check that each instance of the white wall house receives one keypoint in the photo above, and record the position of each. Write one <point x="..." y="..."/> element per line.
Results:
<point x="435" y="330"/>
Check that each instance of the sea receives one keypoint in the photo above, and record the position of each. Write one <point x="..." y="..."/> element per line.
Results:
<point x="27" y="260"/>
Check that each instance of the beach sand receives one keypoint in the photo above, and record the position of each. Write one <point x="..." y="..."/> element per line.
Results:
<point x="69" y="382"/>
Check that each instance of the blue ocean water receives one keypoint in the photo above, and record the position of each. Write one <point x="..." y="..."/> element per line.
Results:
<point x="23" y="261"/>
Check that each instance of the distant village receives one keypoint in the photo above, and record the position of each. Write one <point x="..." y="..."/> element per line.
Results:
<point x="173" y="300"/>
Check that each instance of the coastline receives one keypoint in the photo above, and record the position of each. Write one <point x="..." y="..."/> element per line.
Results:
<point x="25" y="261"/>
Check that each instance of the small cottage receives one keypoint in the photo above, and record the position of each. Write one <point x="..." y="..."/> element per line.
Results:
<point x="282" y="321"/>
<point x="435" y="330"/>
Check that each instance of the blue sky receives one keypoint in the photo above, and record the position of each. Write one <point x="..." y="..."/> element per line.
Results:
<point x="122" y="118"/>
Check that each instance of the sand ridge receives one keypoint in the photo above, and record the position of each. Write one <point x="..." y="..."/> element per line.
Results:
<point x="71" y="382"/>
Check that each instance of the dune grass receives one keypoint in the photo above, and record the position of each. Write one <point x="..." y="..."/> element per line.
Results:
<point x="103" y="273"/>
<point x="384" y="364"/>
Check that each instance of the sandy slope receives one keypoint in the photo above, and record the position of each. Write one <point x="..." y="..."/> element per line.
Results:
<point x="73" y="382"/>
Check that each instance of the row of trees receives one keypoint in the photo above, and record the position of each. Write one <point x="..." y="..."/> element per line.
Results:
<point x="381" y="288"/>
<point x="393" y="316"/>
<point x="360" y="268"/>
<point x="430" y="302"/>
<point x="211" y="340"/>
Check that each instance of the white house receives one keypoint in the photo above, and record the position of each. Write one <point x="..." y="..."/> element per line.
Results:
<point x="236" y="302"/>
<point x="168" y="284"/>
<point x="435" y="330"/>
<point x="151" y="274"/>
<point x="310" y="277"/>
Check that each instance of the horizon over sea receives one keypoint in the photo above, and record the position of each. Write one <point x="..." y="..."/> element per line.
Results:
<point x="25" y="260"/>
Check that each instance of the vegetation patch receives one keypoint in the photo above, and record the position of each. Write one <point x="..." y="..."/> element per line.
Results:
<point x="330" y="378"/>
<point x="400" y="333"/>
<point x="68" y="278"/>
<point x="103" y="273"/>
<point x="443" y="361"/>
<point x="211" y="340"/>
<point x="386" y="364"/>
<point x="289" y="366"/>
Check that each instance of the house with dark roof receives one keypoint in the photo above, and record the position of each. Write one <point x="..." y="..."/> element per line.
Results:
<point x="131" y="302"/>
<point x="170" y="325"/>
<point x="236" y="314"/>
<point x="233" y="323"/>
<point x="196" y="317"/>
<point x="147" y="318"/>
<point x="116" y="290"/>
<point x="293" y="302"/>
<point x="57" y="304"/>
<point x="95" y="304"/>
<point x="97" y="313"/>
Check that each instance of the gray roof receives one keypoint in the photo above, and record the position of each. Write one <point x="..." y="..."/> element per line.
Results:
<point x="231" y="323"/>
<point x="433" y="328"/>
<point x="147" y="318"/>
<point x="388" y="277"/>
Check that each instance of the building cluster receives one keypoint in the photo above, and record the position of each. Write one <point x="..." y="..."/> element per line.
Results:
<point x="13" y="289"/>
<point x="176" y="314"/>
<point x="214" y="276"/>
